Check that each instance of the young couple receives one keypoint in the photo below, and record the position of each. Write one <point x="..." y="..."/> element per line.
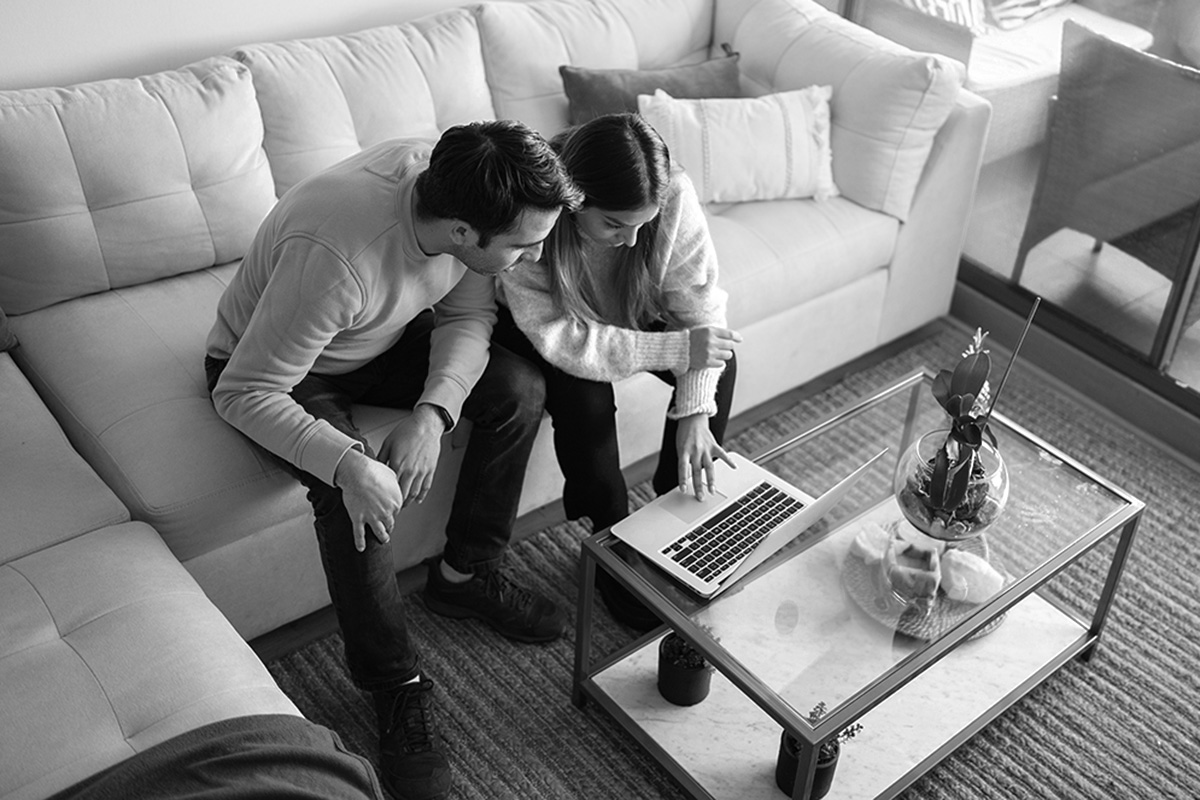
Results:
<point x="375" y="282"/>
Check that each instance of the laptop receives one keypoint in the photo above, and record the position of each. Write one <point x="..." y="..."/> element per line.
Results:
<point x="708" y="545"/>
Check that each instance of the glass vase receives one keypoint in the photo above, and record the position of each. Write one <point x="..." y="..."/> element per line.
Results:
<point x="941" y="553"/>
<point x="986" y="495"/>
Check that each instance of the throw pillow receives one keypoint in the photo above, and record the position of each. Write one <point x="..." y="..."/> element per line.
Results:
<point x="756" y="148"/>
<point x="594" y="92"/>
<point x="1009" y="14"/>
<point x="971" y="14"/>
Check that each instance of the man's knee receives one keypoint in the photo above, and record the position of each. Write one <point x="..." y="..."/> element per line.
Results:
<point x="511" y="389"/>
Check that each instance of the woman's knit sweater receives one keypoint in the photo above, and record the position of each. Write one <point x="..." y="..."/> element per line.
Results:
<point x="685" y="278"/>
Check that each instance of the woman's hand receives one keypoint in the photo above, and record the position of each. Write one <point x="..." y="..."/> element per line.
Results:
<point x="711" y="346"/>
<point x="698" y="452"/>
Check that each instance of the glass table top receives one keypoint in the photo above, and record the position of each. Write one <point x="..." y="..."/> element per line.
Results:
<point x="808" y="624"/>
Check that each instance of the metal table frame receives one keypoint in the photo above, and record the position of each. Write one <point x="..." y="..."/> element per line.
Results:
<point x="596" y="550"/>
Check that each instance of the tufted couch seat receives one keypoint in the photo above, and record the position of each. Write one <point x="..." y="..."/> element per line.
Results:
<point x="108" y="646"/>
<point x="125" y="205"/>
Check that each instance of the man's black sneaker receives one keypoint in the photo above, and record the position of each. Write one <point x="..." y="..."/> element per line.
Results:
<point x="513" y="611"/>
<point x="412" y="766"/>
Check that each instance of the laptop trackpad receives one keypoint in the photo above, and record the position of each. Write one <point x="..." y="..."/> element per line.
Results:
<point x="687" y="508"/>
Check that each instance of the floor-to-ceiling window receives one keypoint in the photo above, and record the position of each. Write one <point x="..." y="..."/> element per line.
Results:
<point x="1089" y="195"/>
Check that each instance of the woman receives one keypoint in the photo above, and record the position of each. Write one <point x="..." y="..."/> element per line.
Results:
<point x="626" y="284"/>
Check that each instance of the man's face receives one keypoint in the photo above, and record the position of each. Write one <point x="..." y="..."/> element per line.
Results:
<point x="509" y="249"/>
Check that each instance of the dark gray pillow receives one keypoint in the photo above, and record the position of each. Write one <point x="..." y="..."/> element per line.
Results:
<point x="594" y="92"/>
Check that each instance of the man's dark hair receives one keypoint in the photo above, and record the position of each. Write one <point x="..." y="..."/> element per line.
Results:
<point x="487" y="173"/>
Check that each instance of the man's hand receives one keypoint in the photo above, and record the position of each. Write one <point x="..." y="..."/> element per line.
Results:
<point x="371" y="495"/>
<point x="412" y="450"/>
<point x="711" y="347"/>
<point x="698" y="451"/>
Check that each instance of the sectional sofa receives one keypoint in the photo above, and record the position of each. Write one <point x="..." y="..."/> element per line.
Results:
<point x="125" y="205"/>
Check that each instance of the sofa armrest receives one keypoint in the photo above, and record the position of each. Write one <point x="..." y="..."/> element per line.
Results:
<point x="913" y="29"/>
<point x="929" y="245"/>
<point x="888" y="101"/>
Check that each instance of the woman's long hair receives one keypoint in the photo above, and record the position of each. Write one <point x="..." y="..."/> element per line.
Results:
<point x="621" y="164"/>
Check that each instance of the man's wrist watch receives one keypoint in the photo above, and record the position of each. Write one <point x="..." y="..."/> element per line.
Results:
<point x="443" y="414"/>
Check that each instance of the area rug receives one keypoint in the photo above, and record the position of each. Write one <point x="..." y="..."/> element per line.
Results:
<point x="1122" y="725"/>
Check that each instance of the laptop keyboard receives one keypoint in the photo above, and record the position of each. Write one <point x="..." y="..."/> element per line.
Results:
<point x="725" y="539"/>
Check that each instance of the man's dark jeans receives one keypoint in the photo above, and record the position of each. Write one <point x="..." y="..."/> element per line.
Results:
<point x="505" y="409"/>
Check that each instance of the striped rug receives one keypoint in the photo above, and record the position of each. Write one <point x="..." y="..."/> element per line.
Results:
<point x="1124" y="725"/>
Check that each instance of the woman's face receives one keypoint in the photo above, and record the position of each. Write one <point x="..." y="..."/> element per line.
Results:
<point x="614" y="228"/>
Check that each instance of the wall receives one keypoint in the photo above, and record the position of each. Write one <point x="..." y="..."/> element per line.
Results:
<point x="59" y="42"/>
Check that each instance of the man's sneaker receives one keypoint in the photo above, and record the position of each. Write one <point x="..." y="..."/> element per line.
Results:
<point x="513" y="611"/>
<point x="412" y="766"/>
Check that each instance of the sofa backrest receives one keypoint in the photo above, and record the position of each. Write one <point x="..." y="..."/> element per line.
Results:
<point x="525" y="43"/>
<point x="325" y="99"/>
<point x="120" y="182"/>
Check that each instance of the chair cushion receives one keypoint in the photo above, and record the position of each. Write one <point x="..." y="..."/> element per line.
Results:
<point x="325" y="99"/>
<point x="119" y="182"/>
<point x="1017" y="72"/>
<point x="971" y="14"/>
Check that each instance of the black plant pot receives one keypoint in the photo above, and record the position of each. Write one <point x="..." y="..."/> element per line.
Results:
<point x="787" y="765"/>
<point x="684" y="677"/>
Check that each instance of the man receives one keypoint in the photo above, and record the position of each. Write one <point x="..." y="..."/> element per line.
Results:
<point x="373" y="282"/>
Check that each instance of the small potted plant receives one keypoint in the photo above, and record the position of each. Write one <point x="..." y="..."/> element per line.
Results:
<point x="684" y="674"/>
<point x="787" y="764"/>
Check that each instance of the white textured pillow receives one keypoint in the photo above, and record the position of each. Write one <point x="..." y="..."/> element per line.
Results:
<point x="751" y="148"/>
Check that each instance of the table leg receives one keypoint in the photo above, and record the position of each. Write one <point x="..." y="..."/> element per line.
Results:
<point x="583" y="626"/>
<point x="1124" y="545"/>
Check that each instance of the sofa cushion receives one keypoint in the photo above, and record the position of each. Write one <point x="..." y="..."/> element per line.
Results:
<point x="111" y="647"/>
<point x="888" y="102"/>
<point x="524" y="44"/>
<point x="48" y="493"/>
<point x="124" y="371"/>
<point x="771" y="147"/>
<point x="780" y="255"/>
<point x="119" y="182"/>
<point x="594" y="92"/>
<point x="325" y="99"/>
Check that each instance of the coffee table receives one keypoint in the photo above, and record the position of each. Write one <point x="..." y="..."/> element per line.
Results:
<point x="801" y="630"/>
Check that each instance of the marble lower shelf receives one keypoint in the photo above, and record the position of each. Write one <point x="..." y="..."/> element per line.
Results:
<point x="728" y="744"/>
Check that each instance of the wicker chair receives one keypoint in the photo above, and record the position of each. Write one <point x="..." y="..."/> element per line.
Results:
<point x="1122" y="152"/>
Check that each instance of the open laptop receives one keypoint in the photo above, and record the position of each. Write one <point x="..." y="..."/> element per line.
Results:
<point x="709" y="545"/>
